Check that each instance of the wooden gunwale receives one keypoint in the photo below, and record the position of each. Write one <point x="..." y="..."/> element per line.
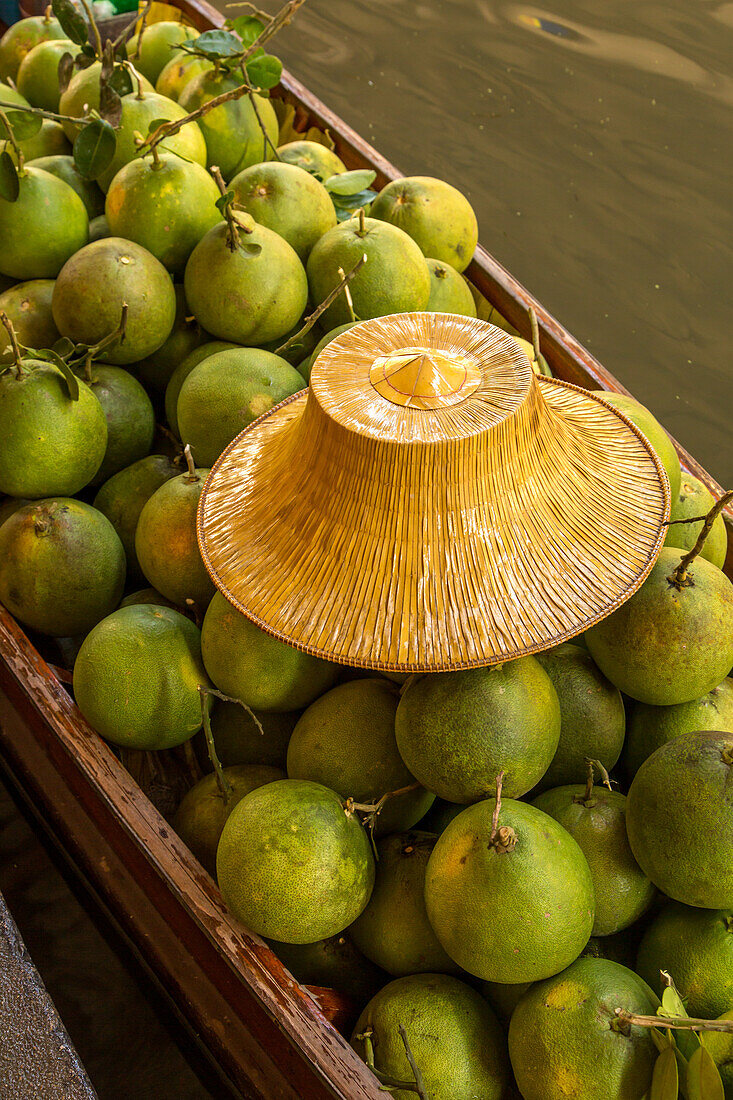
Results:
<point x="265" y="1032"/>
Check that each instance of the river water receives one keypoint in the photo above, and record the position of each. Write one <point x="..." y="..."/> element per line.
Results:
<point x="594" y="141"/>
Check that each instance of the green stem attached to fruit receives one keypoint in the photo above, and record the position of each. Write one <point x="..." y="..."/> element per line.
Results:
<point x="585" y="798"/>
<point x="680" y="578"/>
<point x="502" y="838"/>
<point x="225" y="788"/>
<point x="191" y="476"/>
<point x="11" y="139"/>
<point x="95" y="29"/>
<point x="313" y="317"/>
<point x="678" y="1023"/>
<point x="260" y="123"/>
<point x="17" y="357"/>
<point x="391" y="1083"/>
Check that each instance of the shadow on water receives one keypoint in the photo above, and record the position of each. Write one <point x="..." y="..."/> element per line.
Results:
<point x="594" y="141"/>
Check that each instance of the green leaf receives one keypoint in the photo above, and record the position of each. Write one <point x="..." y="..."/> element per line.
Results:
<point x="73" y="23"/>
<point x="703" y="1077"/>
<point x="64" y="347"/>
<point x="156" y="123"/>
<point x="9" y="182"/>
<point x="120" y="80"/>
<point x="23" y="124"/>
<point x="217" y="44"/>
<point x="665" y="1079"/>
<point x="223" y="202"/>
<point x="264" y="71"/>
<point x="244" y="220"/>
<point x="247" y="27"/>
<point x="350" y="183"/>
<point x="672" y="1003"/>
<point x="94" y="148"/>
<point x="72" y="382"/>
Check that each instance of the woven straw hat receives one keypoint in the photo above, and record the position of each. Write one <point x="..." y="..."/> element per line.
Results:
<point x="430" y="504"/>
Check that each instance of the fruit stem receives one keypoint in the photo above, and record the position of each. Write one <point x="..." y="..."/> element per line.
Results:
<point x="501" y="839"/>
<point x="232" y="699"/>
<point x="347" y="296"/>
<point x="191" y="476"/>
<point x="95" y="29"/>
<point x="221" y="780"/>
<point x="157" y="163"/>
<point x="374" y="808"/>
<point x="384" y="1079"/>
<point x="232" y="227"/>
<point x="191" y="762"/>
<point x="588" y="793"/>
<point x="17" y="357"/>
<point x="680" y="578"/>
<point x="114" y="337"/>
<point x="262" y="127"/>
<point x="535" y="332"/>
<point x="311" y="320"/>
<point x="47" y="14"/>
<point x="362" y="230"/>
<point x="419" y="1083"/>
<point x="11" y="137"/>
<point x="139" y="17"/>
<point x="140" y="94"/>
<point x="679" y="1023"/>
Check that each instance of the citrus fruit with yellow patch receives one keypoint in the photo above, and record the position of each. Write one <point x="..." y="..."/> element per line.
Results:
<point x="395" y="278"/>
<point x="596" y="819"/>
<point x="666" y="644"/>
<point x="695" y="499"/>
<point x="232" y="133"/>
<point x="650" y="427"/>
<point x="201" y="816"/>
<point x="122" y="498"/>
<point x="287" y="200"/>
<point x="449" y="291"/>
<point x="346" y="741"/>
<point x="394" y="930"/>
<point x="92" y="288"/>
<point x="265" y="673"/>
<point x="592" y="718"/>
<point x="679" y="816"/>
<point x="294" y="864"/>
<point x="137" y="678"/>
<point x="28" y="306"/>
<point x="239" y="740"/>
<point x="513" y="903"/>
<point x="137" y="114"/>
<point x="46" y="225"/>
<point x="312" y="157"/>
<point x="130" y="419"/>
<point x="334" y="963"/>
<point x="566" y="1041"/>
<point x="457" y="730"/>
<point x="63" y="167"/>
<point x="62" y="566"/>
<point x="651" y="727"/>
<point x="151" y="50"/>
<point x="248" y="299"/>
<point x="695" y="946"/>
<point x="226" y="392"/>
<point x="454" y="1037"/>
<point x="166" y="544"/>
<point x="167" y="207"/>
<point x="177" y="73"/>
<point x="82" y="96"/>
<point x="20" y="38"/>
<point x="52" y="442"/>
<point x="434" y="214"/>
<point x="181" y="373"/>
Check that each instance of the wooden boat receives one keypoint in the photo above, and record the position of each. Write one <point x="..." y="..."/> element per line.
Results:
<point x="266" y="1035"/>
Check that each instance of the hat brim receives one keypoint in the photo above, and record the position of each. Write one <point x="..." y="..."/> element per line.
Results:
<point x="416" y="586"/>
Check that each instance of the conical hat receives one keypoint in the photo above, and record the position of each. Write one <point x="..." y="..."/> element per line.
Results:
<point x="429" y="503"/>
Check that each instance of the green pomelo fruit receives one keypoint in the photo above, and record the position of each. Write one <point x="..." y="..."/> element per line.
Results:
<point x="239" y="741"/>
<point x="564" y="1039"/>
<point x="38" y="75"/>
<point x="130" y="419"/>
<point x="312" y="157"/>
<point x="52" y="445"/>
<point x="244" y="298"/>
<point x="293" y="863"/>
<point x="395" y="278"/>
<point x="95" y="284"/>
<point x="306" y="368"/>
<point x="62" y="566"/>
<point x="147" y="595"/>
<point x="598" y="823"/>
<point x="50" y="141"/>
<point x="504" y="997"/>
<point x="122" y="498"/>
<point x="166" y="208"/>
<point x="181" y="69"/>
<point x="265" y="673"/>
<point x="232" y="133"/>
<point x="98" y="229"/>
<point x="334" y="964"/>
<point x="437" y="217"/>
<point x="181" y="373"/>
<point x="151" y="51"/>
<point x="440" y="815"/>
<point x="46" y="225"/>
<point x="82" y="96"/>
<point x="64" y="168"/>
<point x="137" y="678"/>
<point x="201" y="816"/>
<point x="226" y="392"/>
<point x="515" y="909"/>
<point x="28" y="306"/>
<point x="166" y="544"/>
<point x="299" y="350"/>
<point x="679" y="816"/>
<point x="10" y="95"/>
<point x="592" y="718"/>
<point x="454" y="1037"/>
<point x="457" y="730"/>
<point x="695" y="946"/>
<point x="650" y="427"/>
<point x="651" y="727"/>
<point x="156" y="370"/>
<point x="694" y="499"/>
<point x="449" y="291"/>
<point x="20" y="38"/>
<point x="287" y="200"/>
<point x="665" y="645"/>
<point x="719" y="1046"/>
<point x="346" y="741"/>
<point x="137" y="114"/>
<point x="394" y="931"/>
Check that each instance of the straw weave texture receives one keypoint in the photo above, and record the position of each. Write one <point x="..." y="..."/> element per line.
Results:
<point x="426" y="539"/>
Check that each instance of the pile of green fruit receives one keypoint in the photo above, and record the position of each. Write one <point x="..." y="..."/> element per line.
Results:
<point x="439" y="848"/>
